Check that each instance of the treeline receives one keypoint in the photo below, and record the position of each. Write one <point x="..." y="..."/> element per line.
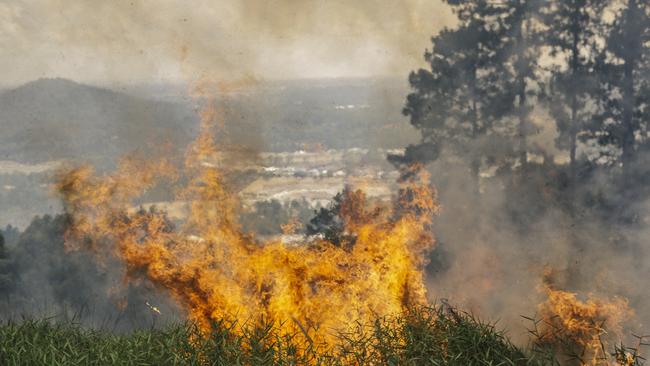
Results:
<point x="533" y="117"/>
<point x="510" y="65"/>
<point x="273" y="217"/>
<point x="40" y="278"/>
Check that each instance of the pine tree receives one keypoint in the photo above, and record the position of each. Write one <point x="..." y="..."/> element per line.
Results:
<point x="461" y="99"/>
<point x="623" y="121"/>
<point x="521" y="50"/>
<point x="6" y="272"/>
<point x="572" y="34"/>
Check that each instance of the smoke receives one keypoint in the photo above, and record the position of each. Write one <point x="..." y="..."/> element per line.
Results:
<point x="494" y="247"/>
<point x="130" y="41"/>
<point x="43" y="280"/>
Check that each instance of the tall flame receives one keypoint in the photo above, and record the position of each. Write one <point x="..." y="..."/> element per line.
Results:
<point x="217" y="272"/>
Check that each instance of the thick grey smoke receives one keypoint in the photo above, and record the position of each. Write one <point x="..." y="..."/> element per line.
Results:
<point x="493" y="248"/>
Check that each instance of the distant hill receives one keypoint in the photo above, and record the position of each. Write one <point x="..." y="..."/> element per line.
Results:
<point x="52" y="119"/>
<point x="49" y="120"/>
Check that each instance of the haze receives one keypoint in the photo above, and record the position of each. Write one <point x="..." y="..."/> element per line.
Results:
<point x="176" y="41"/>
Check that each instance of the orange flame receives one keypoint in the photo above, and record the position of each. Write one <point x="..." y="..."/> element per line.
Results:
<point x="584" y="326"/>
<point x="218" y="272"/>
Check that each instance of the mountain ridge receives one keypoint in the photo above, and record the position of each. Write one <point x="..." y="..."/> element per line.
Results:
<point x="59" y="119"/>
<point x="54" y="118"/>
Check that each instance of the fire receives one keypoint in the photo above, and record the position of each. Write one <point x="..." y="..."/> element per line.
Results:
<point x="582" y="328"/>
<point x="216" y="272"/>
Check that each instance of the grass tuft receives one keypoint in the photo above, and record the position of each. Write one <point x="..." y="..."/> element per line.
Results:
<point x="426" y="336"/>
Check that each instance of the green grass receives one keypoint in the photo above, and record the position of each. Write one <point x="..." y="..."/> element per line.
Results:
<point x="429" y="336"/>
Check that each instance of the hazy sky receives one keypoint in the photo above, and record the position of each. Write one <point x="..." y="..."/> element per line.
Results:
<point x="184" y="40"/>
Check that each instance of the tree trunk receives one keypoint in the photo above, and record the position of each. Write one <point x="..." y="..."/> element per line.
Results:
<point x="523" y="130"/>
<point x="573" y="126"/>
<point x="521" y="85"/>
<point x="475" y="160"/>
<point x="627" y="143"/>
<point x="573" y="140"/>
<point x="630" y="59"/>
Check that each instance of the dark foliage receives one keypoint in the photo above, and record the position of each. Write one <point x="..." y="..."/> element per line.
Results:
<point x="328" y="222"/>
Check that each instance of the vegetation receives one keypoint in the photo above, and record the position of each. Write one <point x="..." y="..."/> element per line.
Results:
<point x="269" y="217"/>
<point x="428" y="336"/>
<point x="6" y="272"/>
<point x="571" y="28"/>
<point x="38" y="277"/>
<point x="484" y="82"/>
<point x="328" y="222"/>
<point x="507" y="71"/>
<point x="475" y="107"/>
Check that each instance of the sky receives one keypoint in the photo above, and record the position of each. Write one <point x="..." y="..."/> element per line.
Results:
<point x="135" y="41"/>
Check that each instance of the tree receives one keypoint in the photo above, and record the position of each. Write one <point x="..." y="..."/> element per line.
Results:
<point x="623" y="121"/>
<point x="11" y="234"/>
<point x="40" y="257"/>
<point x="3" y="252"/>
<point x="7" y="277"/>
<point x="520" y="49"/>
<point x="267" y="218"/>
<point x="339" y="222"/>
<point x="48" y="278"/>
<point x="328" y="221"/>
<point x="460" y="100"/>
<point x="572" y="30"/>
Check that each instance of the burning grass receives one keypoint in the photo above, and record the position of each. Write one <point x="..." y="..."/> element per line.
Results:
<point x="216" y="271"/>
<point x="583" y="331"/>
<point x="360" y="301"/>
<point x="429" y="336"/>
<point x="437" y="335"/>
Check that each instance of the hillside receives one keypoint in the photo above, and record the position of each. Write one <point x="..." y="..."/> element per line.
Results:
<point x="53" y="119"/>
<point x="49" y="121"/>
<point x="334" y="114"/>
